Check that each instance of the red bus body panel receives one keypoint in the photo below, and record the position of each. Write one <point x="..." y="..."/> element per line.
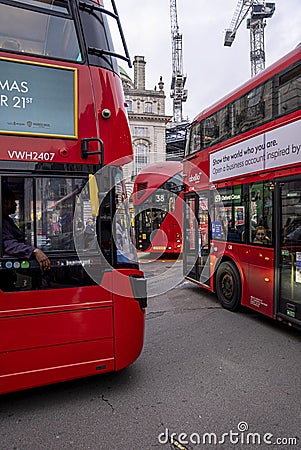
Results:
<point x="54" y="336"/>
<point x="256" y="270"/>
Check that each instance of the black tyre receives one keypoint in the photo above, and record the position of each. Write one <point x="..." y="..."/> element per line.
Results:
<point x="228" y="286"/>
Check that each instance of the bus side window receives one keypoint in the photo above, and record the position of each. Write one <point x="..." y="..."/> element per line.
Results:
<point x="260" y="211"/>
<point x="289" y="96"/>
<point x="229" y="215"/>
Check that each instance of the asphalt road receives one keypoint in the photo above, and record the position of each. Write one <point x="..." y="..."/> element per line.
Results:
<point x="232" y="380"/>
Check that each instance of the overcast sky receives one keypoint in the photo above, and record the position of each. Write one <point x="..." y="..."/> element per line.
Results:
<point x="212" y="69"/>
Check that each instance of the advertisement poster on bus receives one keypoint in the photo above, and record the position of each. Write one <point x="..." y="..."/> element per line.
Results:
<point x="38" y="99"/>
<point x="239" y="215"/>
<point x="275" y="148"/>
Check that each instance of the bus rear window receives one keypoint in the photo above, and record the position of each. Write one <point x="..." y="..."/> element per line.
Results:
<point x="45" y="209"/>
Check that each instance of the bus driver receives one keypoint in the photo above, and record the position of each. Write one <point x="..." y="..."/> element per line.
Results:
<point x="13" y="238"/>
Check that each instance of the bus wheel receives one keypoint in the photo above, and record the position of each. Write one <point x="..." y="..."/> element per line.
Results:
<point x="228" y="286"/>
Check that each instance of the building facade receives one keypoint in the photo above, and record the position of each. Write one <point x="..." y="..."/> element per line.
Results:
<point x="146" y="112"/>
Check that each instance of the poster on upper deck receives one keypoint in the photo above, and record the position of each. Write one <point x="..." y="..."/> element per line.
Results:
<point x="37" y="99"/>
<point x="287" y="145"/>
<point x="275" y="148"/>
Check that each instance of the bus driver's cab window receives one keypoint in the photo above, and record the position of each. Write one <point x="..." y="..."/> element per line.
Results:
<point x="44" y="210"/>
<point x="260" y="213"/>
<point x="38" y="249"/>
<point x="17" y="195"/>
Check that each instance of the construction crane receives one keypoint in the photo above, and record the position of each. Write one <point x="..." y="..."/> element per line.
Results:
<point x="177" y="93"/>
<point x="260" y="10"/>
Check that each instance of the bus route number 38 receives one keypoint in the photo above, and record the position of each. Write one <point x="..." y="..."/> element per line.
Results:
<point x="159" y="198"/>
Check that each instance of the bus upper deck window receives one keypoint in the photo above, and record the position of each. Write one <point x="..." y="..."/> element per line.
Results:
<point x="47" y="29"/>
<point x="261" y="211"/>
<point x="289" y="98"/>
<point x="59" y="6"/>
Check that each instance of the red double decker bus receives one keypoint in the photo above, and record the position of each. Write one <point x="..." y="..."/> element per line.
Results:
<point x="72" y="296"/>
<point x="243" y="195"/>
<point x="158" y="208"/>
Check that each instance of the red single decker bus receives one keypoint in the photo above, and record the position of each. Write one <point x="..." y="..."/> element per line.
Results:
<point x="243" y="195"/>
<point x="158" y="208"/>
<point x="72" y="296"/>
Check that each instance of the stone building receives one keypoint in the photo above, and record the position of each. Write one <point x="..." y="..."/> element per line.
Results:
<point x="146" y="112"/>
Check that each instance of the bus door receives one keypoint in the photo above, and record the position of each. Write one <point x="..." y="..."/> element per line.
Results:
<point x="289" y="254"/>
<point x="203" y="237"/>
<point x="190" y="236"/>
<point x="257" y="260"/>
<point x="196" y="241"/>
